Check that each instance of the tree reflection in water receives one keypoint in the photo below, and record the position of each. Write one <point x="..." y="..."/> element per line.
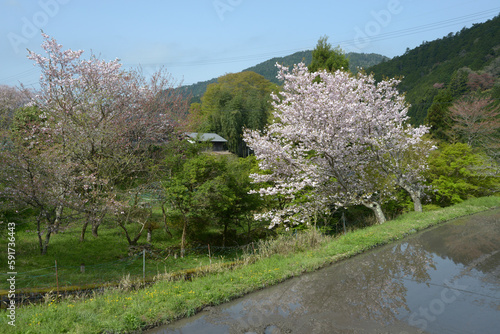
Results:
<point x="464" y="241"/>
<point x="439" y="280"/>
<point x="369" y="286"/>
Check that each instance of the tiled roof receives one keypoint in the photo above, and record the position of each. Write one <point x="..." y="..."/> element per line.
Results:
<point x="213" y="137"/>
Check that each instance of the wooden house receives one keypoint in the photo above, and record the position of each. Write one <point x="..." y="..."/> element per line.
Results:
<point x="218" y="143"/>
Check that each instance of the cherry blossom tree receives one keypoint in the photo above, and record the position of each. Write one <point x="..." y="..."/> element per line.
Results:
<point x="331" y="144"/>
<point x="33" y="178"/>
<point x="476" y="122"/>
<point x="480" y="81"/>
<point x="105" y="124"/>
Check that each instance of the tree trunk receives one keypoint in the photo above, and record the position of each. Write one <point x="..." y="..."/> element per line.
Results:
<point x="96" y="220"/>
<point x="126" y="234"/>
<point x="249" y="225"/>
<point x="134" y="241"/>
<point x="84" y="229"/>
<point x="131" y="242"/>
<point x="57" y="221"/>
<point x="183" y="238"/>
<point x="184" y="231"/>
<point x="377" y="210"/>
<point x="417" y="203"/>
<point x="95" y="226"/>
<point x="46" y="242"/>
<point x="39" y="232"/>
<point x="415" y="196"/>
<point x="165" y="220"/>
<point x="50" y="218"/>
<point x="224" y="234"/>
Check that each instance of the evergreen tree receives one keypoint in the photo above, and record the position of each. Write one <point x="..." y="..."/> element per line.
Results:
<point x="324" y="57"/>
<point x="438" y="115"/>
<point x="458" y="82"/>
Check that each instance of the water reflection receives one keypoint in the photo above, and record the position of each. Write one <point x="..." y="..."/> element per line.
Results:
<point x="467" y="241"/>
<point x="445" y="280"/>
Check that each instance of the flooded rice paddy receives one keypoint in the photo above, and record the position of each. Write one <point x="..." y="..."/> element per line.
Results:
<point x="442" y="280"/>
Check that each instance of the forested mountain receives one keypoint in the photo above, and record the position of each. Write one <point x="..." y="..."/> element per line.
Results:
<point x="356" y="60"/>
<point x="268" y="69"/>
<point x="437" y="64"/>
<point x="424" y="69"/>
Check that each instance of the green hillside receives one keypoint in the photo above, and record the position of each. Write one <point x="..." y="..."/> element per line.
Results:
<point x="432" y="63"/>
<point x="356" y="60"/>
<point x="268" y="69"/>
<point x="436" y="62"/>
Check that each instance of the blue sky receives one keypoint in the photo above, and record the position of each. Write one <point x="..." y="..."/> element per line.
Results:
<point x="203" y="39"/>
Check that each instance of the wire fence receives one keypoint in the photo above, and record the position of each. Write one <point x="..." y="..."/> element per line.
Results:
<point x="143" y="264"/>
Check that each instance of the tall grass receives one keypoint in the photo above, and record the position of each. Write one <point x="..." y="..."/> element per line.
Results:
<point x="285" y="244"/>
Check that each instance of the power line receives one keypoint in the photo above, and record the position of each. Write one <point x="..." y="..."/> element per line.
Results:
<point x="390" y="35"/>
<point x="426" y="27"/>
<point x="351" y="42"/>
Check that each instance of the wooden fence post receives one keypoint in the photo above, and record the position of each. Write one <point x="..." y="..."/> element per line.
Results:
<point x="57" y="280"/>
<point x="144" y="266"/>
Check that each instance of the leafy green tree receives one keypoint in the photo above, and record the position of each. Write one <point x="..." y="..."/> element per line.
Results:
<point x="438" y="115"/>
<point x="184" y="190"/>
<point x="438" y="61"/>
<point x="418" y="110"/>
<point x="236" y="101"/>
<point x="324" y="57"/>
<point x="457" y="173"/>
<point x="194" y="118"/>
<point x="202" y="190"/>
<point x="227" y="199"/>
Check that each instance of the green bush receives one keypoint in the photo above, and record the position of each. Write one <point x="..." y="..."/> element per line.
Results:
<point x="457" y="173"/>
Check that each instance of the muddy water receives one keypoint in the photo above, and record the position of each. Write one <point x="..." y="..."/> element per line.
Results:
<point x="442" y="280"/>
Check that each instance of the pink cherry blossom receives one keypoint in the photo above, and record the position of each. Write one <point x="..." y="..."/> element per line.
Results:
<point x="338" y="142"/>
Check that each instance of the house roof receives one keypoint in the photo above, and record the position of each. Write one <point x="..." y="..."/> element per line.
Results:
<point x="213" y="137"/>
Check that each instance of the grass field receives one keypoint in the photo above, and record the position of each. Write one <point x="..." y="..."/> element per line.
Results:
<point x="106" y="259"/>
<point x="128" y="310"/>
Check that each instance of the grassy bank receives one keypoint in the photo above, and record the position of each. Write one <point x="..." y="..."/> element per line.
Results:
<point x="127" y="311"/>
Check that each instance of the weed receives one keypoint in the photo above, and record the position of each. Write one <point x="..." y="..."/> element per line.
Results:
<point x="285" y="244"/>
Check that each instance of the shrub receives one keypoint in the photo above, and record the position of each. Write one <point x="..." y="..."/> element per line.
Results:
<point x="457" y="173"/>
